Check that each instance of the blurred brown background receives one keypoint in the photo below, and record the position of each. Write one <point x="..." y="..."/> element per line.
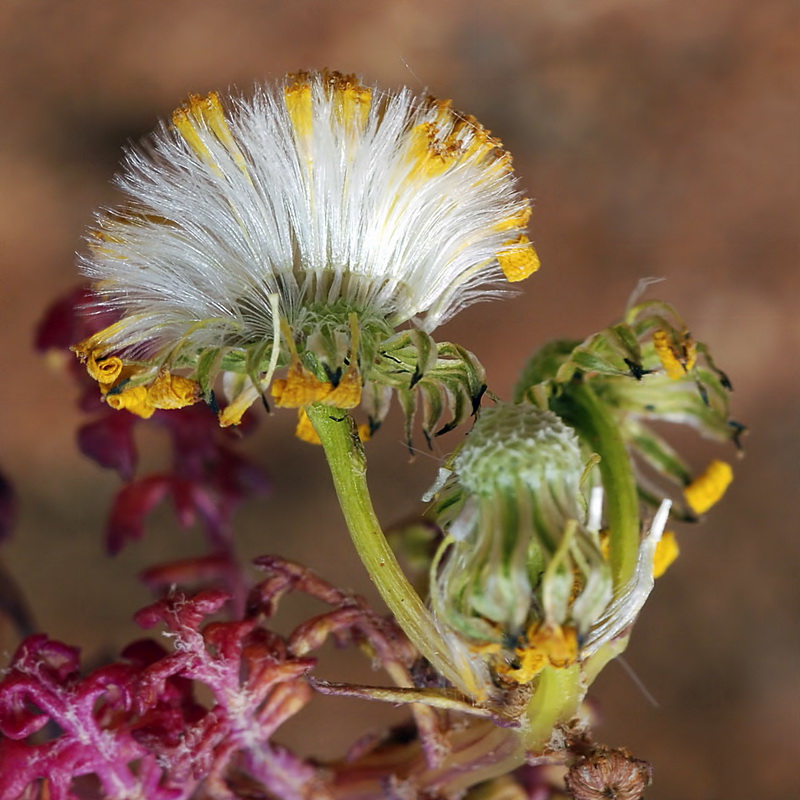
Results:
<point x="658" y="138"/>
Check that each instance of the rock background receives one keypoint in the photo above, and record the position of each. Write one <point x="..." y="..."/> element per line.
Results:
<point x="658" y="138"/>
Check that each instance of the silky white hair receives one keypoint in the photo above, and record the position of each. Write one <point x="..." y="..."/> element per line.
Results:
<point x="345" y="214"/>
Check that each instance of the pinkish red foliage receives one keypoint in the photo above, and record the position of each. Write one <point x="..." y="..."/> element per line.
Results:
<point x="137" y="726"/>
<point x="81" y="722"/>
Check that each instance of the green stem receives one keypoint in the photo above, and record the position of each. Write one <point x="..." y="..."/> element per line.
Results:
<point x="596" y="424"/>
<point x="555" y="702"/>
<point x="348" y="467"/>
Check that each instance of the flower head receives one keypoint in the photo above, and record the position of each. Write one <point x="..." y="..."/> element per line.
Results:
<point x="644" y="368"/>
<point x="524" y="578"/>
<point x="300" y="228"/>
<point x="521" y="574"/>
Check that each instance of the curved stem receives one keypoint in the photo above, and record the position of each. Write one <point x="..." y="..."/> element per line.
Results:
<point x="348" y="467"/>
<point x="593" y="421"/>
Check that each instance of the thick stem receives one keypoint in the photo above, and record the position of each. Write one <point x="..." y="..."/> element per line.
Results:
<point x="554" y="703"/>
<point x="348" y="466"/>
<point x="593" y="421"/>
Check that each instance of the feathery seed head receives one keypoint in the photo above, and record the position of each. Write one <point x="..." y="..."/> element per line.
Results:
<point x="299" y="229"/>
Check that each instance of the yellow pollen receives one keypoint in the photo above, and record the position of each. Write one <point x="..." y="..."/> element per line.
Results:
<point x="448" y="138"/>
<point x="480" y="141"/>
<point x="431" y="153"/>
<point x="518" y="259"/>
<point x="708" y="488"/>
<point x="443" y="108"/>
<point x="666" y="552"/>
<point x="677" y="359"/>
<point x="546" y="646"/>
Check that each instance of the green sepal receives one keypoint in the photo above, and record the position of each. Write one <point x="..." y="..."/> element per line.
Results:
<point x="442" y="375"/>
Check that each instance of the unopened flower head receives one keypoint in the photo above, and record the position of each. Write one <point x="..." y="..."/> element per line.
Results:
<point x="520" y="575"/>
<point x="299" y="229"/>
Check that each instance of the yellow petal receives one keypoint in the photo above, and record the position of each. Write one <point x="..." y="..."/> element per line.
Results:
<point x="305" y="430"/>
<point x="546" y="645"/>
<point x="105" y="371"/>
<point x="531" y="663"/>
<point x="186" y="120"/>
<point x="172" y="391"/>
<point x="96" y="345"/>
<point x="134" y="400"/>
<point x="560" y="644"/>
<point x="666" y="552"/>
<point x="707" y="489"/>
<point x="352" y="101"/>
<point x="677" y="359"/>
<point x="519" y="219"/>
<point x="297" y="97"/>
<point x="205" y="115"/>
<point x="348" y="392"/>
<point x="518" y="259"/>
<point x="232" y="413"/>
<point x="429" y="155"/>
<point x="299" y="388"/>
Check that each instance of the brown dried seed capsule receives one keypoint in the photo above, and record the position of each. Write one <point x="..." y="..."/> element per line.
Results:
<point x="609" y="775"/>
